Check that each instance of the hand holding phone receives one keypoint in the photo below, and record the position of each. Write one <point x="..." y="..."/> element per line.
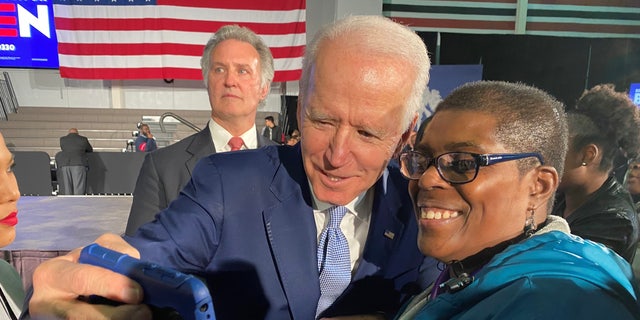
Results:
<point x="173" y="292"/>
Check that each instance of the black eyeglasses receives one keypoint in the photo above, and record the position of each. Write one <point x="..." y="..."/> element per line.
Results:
<point x="455" y="167"/>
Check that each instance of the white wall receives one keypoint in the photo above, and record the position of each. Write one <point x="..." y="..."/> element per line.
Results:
<point x="45" y="88"/>
<point x="357" y="7"/>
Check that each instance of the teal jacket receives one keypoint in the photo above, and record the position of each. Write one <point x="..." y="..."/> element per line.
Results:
<point x="553" y="275"/>
<point x="11" y="292"/>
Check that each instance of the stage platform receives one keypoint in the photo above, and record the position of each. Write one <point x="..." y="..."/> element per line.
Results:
<point x="50" y="226"/>
<point x="68" y="222"/>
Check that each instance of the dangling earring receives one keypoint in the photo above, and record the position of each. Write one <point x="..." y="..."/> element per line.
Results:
<point x="530" y="224"/>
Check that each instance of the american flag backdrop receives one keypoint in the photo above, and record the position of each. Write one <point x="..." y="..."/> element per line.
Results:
<point x="164" y="39"/>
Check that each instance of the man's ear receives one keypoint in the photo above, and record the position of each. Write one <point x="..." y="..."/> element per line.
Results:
<point x="264" y="92"/>
<point x="544" y="186"/>
<point x="404" y="138"/>
<point x="299" y="112"/>
<point x="407" y="134"/>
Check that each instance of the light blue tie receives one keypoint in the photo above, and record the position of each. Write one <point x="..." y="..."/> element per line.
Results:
<point x="334" y="263"/>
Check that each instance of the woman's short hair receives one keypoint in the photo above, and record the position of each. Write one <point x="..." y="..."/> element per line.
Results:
<point x="528" y="119"/>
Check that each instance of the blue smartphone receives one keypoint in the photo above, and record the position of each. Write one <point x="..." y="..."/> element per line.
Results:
<point x="170" y="293"/>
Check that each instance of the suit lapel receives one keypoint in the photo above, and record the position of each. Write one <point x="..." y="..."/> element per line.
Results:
<point x="384" y="228"/>
<point x="292" y="237"/>
<point x="200" y="147"/>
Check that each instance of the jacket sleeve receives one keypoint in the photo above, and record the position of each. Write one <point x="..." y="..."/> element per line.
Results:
<point x="88" y="147"/>
<point x="612" y="227"/>
<point x="551" y="298"/>
<point x="569" y="299"/>
<point x="151" y="144"/>
<point x="167" y="240"/>
<point x="139" y="144"/>
<point x="148" y="195"/>
<point x="278" y="134"/>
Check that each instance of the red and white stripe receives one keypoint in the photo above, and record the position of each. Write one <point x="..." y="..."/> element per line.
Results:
<point x="165" y="41"/>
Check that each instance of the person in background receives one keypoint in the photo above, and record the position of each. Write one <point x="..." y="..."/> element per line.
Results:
<point x="632" y="181"/>
<point x="237" y="68"/>
<point x="254" y="223"/>
<point x="271" y="131"/>
<point x="604" y="125"/>
<point x="294" y="138"/>
<point x="72" y="163"/>
<point x="11" y="291"/>
<point x="483" y="176"/>
<point x="145" y="142"/>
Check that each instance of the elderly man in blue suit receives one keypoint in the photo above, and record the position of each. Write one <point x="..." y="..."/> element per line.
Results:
<point x="249" y="222"/>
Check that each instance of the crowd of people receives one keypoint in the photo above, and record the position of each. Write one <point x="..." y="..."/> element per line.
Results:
<point x="502" y="205"/>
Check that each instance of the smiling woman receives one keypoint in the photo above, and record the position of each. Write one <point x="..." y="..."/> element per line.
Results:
<point x="483" y="176"/>
<point x="11" y="291"/>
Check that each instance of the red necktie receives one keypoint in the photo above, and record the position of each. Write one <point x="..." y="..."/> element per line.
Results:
<point x="235" y="143"/>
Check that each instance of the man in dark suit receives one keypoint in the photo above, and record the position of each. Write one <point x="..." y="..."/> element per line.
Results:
<point x="271" y="131"/>
<point x="72" y="163"/>
<point x="165" y="172"/>
<point x="250" y="222"/>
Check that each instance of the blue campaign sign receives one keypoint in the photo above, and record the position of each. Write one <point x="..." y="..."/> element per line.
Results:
<point x="634" y="93"/>
<point x="444" y="78"/>
<point x="27" y="34"/>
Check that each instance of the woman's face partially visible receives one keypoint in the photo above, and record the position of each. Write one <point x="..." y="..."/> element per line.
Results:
<point x="9" y="195"/>
<point x="458" y="220"/>
<point x="633" y="178"/>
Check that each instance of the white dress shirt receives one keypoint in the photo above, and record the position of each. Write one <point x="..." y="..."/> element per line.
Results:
<point x="221" y="136"/>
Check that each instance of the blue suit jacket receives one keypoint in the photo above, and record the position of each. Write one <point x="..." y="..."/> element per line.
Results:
<point x="245" y="224"/>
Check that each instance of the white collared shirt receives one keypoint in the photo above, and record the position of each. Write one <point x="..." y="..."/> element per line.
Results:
<point x="221" y="136"/>
<point x="354" y="225"/>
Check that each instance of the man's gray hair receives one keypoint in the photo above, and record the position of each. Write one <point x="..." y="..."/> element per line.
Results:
<point x="376" y="35"/>
<point x="243" y="34"/>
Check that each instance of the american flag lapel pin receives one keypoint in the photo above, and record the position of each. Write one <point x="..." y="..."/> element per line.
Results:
<point x="389" y="234"/>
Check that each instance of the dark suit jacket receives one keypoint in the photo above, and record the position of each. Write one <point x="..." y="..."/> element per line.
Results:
<point x="276" y="136"/>
<point x="74" y="151"/>
<point x="245" y="224"/>
<point x="164" y="173"/>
